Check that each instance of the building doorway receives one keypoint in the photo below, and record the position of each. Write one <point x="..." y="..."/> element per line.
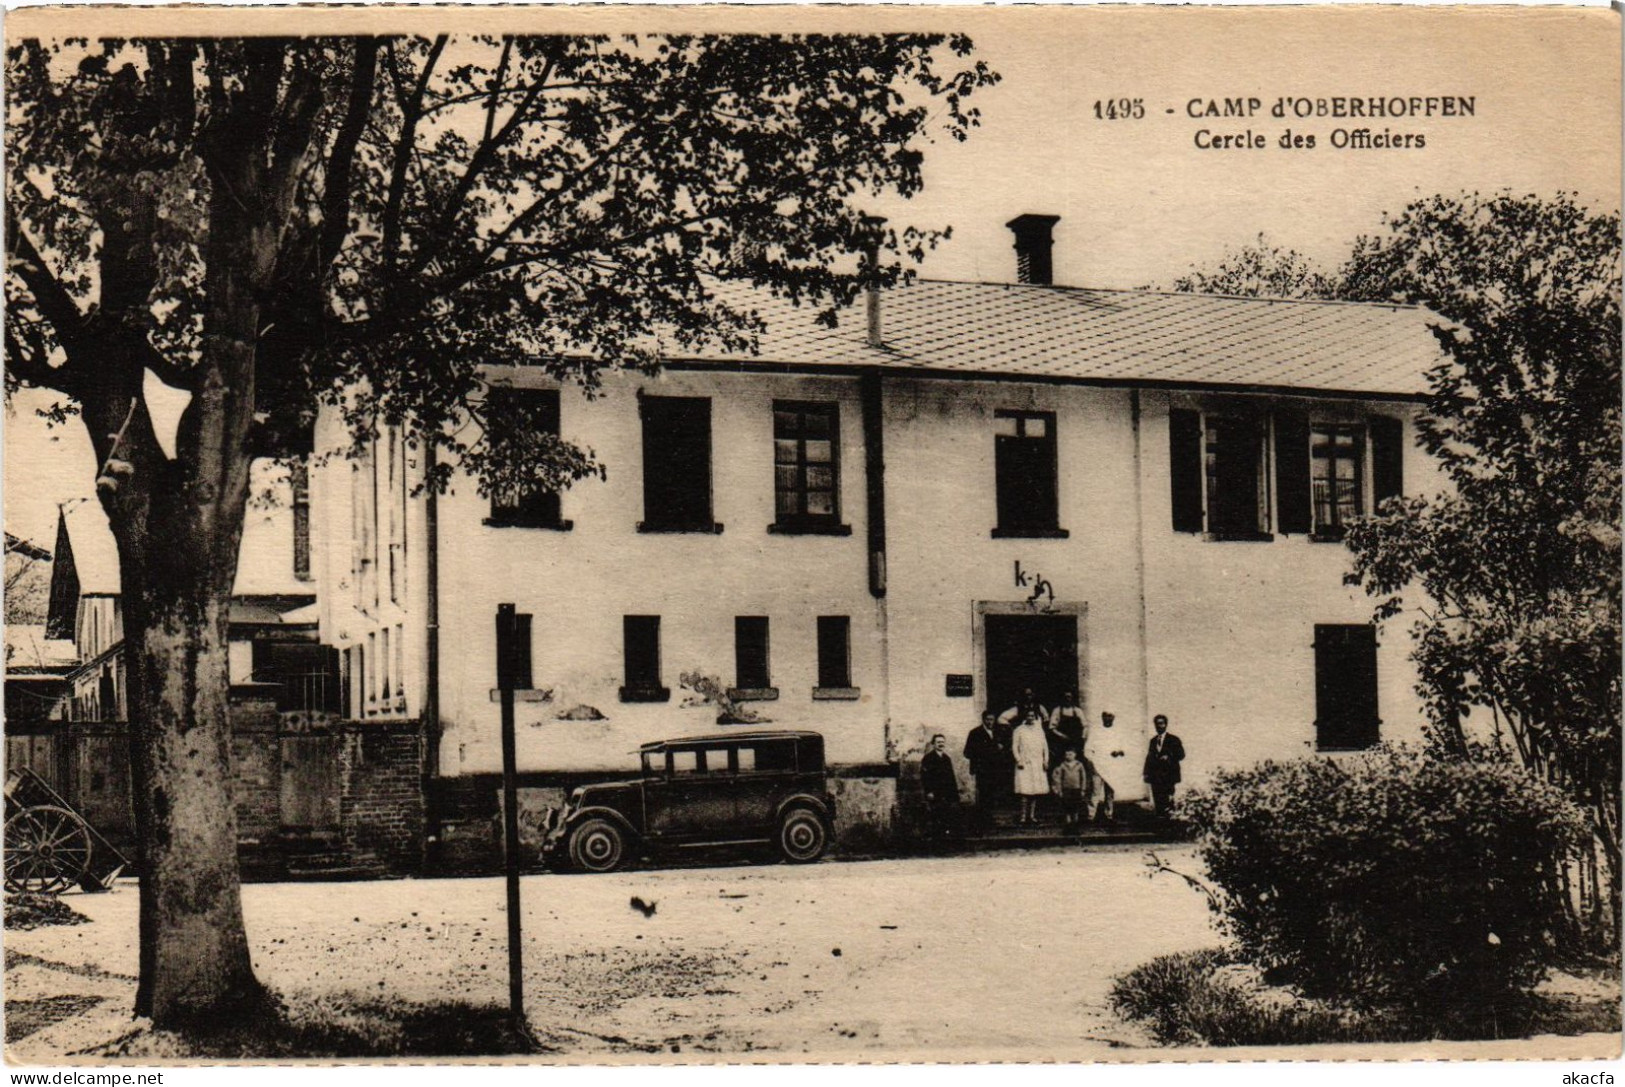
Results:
<point x="1036" y="651"/>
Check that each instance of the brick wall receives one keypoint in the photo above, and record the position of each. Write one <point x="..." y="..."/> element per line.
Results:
<point x="255" y="767"/>
<point x="381" y="807"/>
<point x="380" y="803"/>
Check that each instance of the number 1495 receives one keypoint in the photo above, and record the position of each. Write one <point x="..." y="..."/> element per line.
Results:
<point x="1119" y="109"/>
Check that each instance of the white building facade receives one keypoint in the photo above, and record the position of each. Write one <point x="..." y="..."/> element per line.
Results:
<point x="878" y="532"/>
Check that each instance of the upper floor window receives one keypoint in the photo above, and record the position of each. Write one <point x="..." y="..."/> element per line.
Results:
<point x="676" y="465"/>
<point x="806" y="468"/>
<point x="1233" y="459"/>
<point x="1328" y="473"/>
<point x="507" y="408"/>
<point x="1219" y="471"/>
<point x="1024" y="469"/>
<point x="1336" y="476"/>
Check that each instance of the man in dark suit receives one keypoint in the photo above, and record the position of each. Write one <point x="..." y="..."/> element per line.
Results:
<point x="941" y="789"/>
<point x="989" y="756"/>
<point x="1162" y="759"/>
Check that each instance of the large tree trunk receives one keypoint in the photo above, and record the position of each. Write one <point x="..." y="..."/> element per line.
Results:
<point x="194" y="951"/>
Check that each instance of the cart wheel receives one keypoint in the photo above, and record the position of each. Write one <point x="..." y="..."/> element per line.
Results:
<point x="46" y="850"/>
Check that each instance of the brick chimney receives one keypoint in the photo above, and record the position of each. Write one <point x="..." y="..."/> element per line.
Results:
<point x="1033" y="243"/>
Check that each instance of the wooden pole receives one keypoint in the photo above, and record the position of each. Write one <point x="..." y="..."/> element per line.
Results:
<point x="508" y="651"/>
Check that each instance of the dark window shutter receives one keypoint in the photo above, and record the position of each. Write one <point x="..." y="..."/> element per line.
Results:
<point x="1292" y="471"/>
<point x="641" y="643"/>
<point x="1345" y="686"/>
<point x="1185" y="468"/>
<point x="677" y="463"/>
<point x="834" y="663"/>
<point x="1387" y="457"/>
<point x="750" y="652"/>
<point x="1024" y="469"/>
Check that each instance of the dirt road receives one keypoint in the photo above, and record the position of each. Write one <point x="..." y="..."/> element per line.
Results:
<point x="1008" y="953"/>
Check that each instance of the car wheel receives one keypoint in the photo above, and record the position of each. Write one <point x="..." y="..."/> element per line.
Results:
<point x="597" y="846"/>
<point x="803" y="837"/>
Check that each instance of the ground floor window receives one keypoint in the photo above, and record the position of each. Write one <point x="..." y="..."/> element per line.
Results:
<point x="640" y="639"/>
<point x="1345" y="686"/>
<point x="834" y="651"/>
<point x="751" y="671"/>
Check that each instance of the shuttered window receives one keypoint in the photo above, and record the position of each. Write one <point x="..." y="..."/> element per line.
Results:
<point x="1292" y="489"/>
<point x="1345" y="686"/>
<point x="1024" y="469"/>
<point x="676" y="464"/>
<point x="1185" y="468"/>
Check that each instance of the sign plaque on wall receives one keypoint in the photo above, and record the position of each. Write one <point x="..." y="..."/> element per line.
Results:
<point x="960" y="686"/>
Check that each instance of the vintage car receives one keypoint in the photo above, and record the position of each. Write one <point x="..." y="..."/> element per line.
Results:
<point x="735" y="788"/>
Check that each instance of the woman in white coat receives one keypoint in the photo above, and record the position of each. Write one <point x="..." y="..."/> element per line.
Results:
<point x="1030" y="749"/>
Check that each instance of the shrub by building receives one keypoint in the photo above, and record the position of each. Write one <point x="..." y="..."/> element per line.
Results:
<point x="1389" y="878"/>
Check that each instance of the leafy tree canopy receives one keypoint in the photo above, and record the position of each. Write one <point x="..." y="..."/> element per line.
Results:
<point x="438" y="204"/>
<point x="1518" y="562"/>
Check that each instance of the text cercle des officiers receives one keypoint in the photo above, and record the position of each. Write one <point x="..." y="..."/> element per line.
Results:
<point x="1334" y="107"/>
<point x="1361" y="109"/>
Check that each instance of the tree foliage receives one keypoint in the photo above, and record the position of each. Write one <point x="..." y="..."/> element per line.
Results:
<point x="1514" y="572"/>
<point x="1261" y="269"/>
<point x="443" y="204"/>
<point x="268" y="224"/>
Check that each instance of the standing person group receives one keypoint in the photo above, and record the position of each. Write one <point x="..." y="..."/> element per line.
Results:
<point x="1029" y="751"/>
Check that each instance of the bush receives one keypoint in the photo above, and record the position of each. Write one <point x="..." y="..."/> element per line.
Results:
<point x="1389" y="878"/>
<point x="1208" y="998"/>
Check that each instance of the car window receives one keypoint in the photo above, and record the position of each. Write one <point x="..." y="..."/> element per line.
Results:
<point x="653" y="762"/>
<point x="775" y="756"/>
<point x="684" y="762"/>
<point x="747" y="759"/>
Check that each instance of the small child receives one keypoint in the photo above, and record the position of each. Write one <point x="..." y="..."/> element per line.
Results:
<point x="1070" y="780"/>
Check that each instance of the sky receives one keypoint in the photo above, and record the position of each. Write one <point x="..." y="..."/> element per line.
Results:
<point x="1139" y="202"/>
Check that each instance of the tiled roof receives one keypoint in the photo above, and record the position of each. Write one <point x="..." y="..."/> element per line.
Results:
<point x="1115" y="336"/>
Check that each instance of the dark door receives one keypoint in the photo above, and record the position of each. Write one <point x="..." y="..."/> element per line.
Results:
<point x="1037" y="651"/>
